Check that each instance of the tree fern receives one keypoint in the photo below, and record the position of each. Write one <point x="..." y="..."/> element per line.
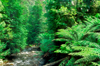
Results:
<point x="77" y="32"/>
<point x="81" y="40"/>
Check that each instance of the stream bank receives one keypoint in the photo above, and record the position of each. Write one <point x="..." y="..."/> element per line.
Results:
<point x="31" y="56"/>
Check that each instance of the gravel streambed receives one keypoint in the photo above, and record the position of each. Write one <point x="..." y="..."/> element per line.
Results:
<point x="28" y="57"/>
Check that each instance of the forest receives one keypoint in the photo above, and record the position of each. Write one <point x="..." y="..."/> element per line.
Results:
<point x="66" y="31"/>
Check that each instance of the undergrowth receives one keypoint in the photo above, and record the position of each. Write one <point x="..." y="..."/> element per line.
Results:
<point x="82" y="40"/>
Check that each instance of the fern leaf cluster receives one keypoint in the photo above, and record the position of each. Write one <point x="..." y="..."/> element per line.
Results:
<point x="81" y="40"/>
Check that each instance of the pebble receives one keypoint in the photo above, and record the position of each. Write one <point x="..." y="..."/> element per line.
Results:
<point x="27" y="58"/>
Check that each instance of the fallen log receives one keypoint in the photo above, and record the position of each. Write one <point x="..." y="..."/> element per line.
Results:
<point x="53" y="63"/>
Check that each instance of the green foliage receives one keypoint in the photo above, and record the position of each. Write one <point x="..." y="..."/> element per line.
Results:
<point x="88" y="54"/>
<point x="68" y="12"/>
<point x="1" y="7"/>
<point x="70" y="62"/>
<point x="81" y="40"/>
<point x="3" y="52"/>
<point x="56" y="16"/>
<point x="15" y="21"/>
<point x="96" y="64"/>
<point x="35" y="20"/>
<point x="46" y="42"/>
<point x="5" y="33"/>
<point x="71" y="14"/>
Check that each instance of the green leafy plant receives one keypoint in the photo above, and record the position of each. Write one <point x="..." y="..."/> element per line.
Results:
<point x="3" y="52"/>
<point x="15" y="27"/>
<point x="71" y="62"/>
<point x="5" y="33"/>
<point x="47" y="45"/>
<point x="3" y="45"/>
<point x="81" y="40"/>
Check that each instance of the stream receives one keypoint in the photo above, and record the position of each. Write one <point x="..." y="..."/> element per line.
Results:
<point x="28" y="57"/>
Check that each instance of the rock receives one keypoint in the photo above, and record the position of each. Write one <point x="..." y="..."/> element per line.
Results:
<point x="18" y="61"/>
<point x="1" y="62"/>
<point x="29" y="49"/>
<point x="41" y="61"/>
<point x="24" y="50"/>
<point x="33" y="51"/>
<point x="28" y="57"/>
<point x="10" y="64"/>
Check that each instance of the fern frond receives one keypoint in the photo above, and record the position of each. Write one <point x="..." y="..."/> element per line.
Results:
<point x="88" y="54"/>
<point x="93" y="20"/>
<point x="95" y="64"/>
<point x="61" y="51"/>
<point x="64" y="49"/>
<point x="95" y="28"/>
<point x="80" y="31"/>
<point x="65" y="33"/>
<point x="85" y="51"/>
<point x="70" y="62"/>
<point x="86" y="59"/>
<point x="87" y="43"/>
<point x="83" y="40"/>
<point x="94" y="23"/>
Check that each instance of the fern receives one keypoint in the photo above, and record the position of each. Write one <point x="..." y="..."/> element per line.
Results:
<point x="87" y="43"/>
<point x="70" y="62"/>
<point x="75" y="33"/>
<point x="81" y="40"/>
<point x="94" y="23"/>
<point x="95" y="64"/>
<point x="88" y="54"/>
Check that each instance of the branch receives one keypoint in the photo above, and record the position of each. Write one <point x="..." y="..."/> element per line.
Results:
<point x="53" y="63"/>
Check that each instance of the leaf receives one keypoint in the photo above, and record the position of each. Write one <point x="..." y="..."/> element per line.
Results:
<point x="57" y="51"/>
<point x="96" y="64"/>
<point x="1" y="15"/>
<point x="86" y="59"/>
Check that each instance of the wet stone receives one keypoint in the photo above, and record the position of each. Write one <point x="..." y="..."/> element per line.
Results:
<point x="28" y="57"/>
